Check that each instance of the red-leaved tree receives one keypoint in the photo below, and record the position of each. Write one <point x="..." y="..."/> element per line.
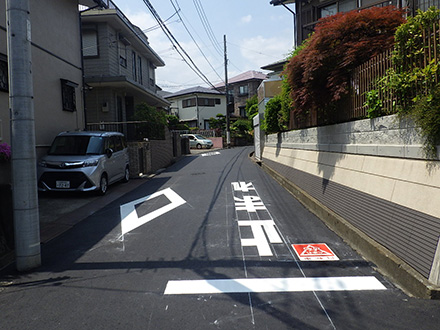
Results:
<point x="319" y="75"/>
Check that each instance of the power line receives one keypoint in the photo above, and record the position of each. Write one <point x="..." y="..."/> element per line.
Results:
<point x="176" y="44"/>
<point x="214" y="54"/>
<point x="207" y="26"/>
<point x="195" y="42"/>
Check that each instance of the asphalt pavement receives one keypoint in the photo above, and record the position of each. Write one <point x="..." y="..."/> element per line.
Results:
<point x="211" y="242"/>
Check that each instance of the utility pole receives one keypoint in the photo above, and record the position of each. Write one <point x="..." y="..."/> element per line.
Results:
<point x="228" y="130"/>
<point x="24" y="176"/>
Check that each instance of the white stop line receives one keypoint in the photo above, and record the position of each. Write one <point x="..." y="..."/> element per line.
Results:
<point x="256" y="285"/>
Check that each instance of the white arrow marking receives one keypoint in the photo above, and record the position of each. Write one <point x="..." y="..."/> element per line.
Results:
<point x="130" y="219"/>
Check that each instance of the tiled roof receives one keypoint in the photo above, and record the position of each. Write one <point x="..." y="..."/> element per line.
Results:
<point x="248" y="75"/>
<point x="192" y="90"/>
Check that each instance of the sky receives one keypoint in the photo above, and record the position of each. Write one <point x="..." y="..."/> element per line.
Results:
<point x="257" y="34"/>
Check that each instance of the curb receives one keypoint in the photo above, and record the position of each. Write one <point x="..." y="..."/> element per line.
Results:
<point x="388" y="264"/>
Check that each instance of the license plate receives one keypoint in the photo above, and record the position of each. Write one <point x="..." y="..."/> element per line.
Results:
<point x="62" y="184"/>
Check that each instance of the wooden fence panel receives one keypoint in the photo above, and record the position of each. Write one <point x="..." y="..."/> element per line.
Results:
<point x="365" y="79"/>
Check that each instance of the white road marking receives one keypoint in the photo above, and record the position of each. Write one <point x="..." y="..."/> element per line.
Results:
<point x="256" y="285"/>
<point x="259" y="239"/>
<point x="242" y="186"/>
<point x="130" y="219"/>
<point x="249" y="204"/>
<point x="213" y="153"/>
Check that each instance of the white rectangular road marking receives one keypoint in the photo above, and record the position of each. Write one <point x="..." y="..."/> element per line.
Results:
<point x="130" y="219"/>
<point x="256" y="285"/>
<point x="269" y="228"/>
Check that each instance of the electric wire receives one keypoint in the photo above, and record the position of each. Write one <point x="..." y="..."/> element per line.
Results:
<point x="213" y="53"/>
<point x="207" y="27"/>
<point x="195" y="42"/>
<point x="177" y="45"/>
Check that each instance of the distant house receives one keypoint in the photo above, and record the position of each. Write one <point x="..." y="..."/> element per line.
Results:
<point x="241" y="88"/>
<point x="309" y="12"/>
<point x="119" y="65"/>
<point x="195" y="106"/>
<point x="56" y="70"/>
<point x="271" y="86"/>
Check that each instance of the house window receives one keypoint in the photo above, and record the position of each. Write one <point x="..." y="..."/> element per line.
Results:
<point x="218" y="101"/>
<point x="90" y="43"/>
<point x="140" y="69"/>
<point x="4" y="85"/>
<point x="122" y="54"/>
<point x="189" y="103"/>
<point x="243" y="89"/>
<point x="243" y="112"/>
<point x="133" y="65"/>
<point x="68" y="95"/>
<point x="151" y="74"/>
<point x="347" y="5"/>
<point x="203" y="101"/>
<point x="329" y="10"/>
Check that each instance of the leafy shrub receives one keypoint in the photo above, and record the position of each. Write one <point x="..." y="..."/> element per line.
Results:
<point x="319" y="75"/>
<point x="174" y="123"/>
<point x="426" y="113"/>
<point x="218" y="123"/>
<point x="373" y="103"/>
<point x="252" y="107"/>
<point x="271" y="114"/>
<point x="154" y="122"/>
<point x="416" y="87"/>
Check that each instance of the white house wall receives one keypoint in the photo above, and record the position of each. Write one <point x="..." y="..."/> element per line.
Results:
<point x="204" y="112"/>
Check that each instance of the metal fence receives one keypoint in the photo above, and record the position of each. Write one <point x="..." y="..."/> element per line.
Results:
<point x="133" y="130"/>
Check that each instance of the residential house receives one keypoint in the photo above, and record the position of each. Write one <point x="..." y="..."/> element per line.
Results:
<point x="119" y="65"/>
<point x="56" y="69"/>
<point x="271" y="86"/>
<point x="309" y="12"/>
<point x="195" y="106"/>
<point x="240" y="89"/>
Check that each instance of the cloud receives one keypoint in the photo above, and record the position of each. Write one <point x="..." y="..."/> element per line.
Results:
<point x="260" y="51"/>
<point x="246" y="19"/>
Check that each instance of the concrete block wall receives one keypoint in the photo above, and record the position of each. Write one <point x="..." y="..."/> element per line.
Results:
<point x="373" y="174"/>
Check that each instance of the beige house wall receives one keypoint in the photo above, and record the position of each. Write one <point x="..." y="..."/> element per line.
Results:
<point x="56" y="54"/>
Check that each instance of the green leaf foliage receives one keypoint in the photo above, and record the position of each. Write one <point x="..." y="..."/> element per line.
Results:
<point x="154" y="122"/>
<point x="271" y="115"/>
<point x="319" y="74"/>
<point x="415" y="82"/>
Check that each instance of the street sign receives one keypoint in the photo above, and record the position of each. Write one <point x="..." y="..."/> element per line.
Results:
<point x="314" y="252"/>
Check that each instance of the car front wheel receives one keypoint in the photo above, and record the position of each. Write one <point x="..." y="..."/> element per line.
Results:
<point x="103" y="185"/>
<point x="126" y="174"/>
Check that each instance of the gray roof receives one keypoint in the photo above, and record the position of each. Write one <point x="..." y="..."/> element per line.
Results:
<point x="248" y="75"/>
<point x="194" y="90"/>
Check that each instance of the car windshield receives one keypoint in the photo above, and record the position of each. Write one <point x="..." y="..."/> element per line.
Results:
<point x="198" y="136"/>
<point x="77" y="145"/>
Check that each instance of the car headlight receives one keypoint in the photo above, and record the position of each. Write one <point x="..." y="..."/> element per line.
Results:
<point x="42" y="163"/>
<point x="91" y="162"/>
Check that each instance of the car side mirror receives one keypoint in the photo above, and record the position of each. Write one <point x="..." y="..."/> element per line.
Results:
<point x="109" y="152"/>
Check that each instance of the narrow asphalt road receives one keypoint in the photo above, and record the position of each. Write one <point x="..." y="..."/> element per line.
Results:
<point x="211" y="242"/>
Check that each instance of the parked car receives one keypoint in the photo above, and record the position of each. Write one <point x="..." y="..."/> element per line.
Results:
<point x="84" y="161"/>
<point x="198" y="141"/>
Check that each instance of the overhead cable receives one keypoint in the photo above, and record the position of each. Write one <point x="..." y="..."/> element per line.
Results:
<point x="195" y="42"/>
<point x="177" y="45"/>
